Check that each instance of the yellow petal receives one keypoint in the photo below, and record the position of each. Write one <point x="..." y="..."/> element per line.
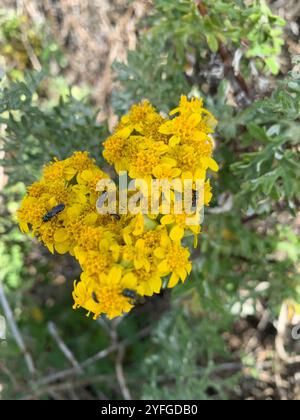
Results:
<point x="176" y="172"/>
<point x="50" y="246"/>
<point x="212" y="164"/>
<point x="167" y="219"/>
<point x="156" y="284"/>
<point x="187" y="175"/>
<point x="74" y="211"/>
<point x="163" y="267"/>
<point x="156" y="171"/>
<point x="69" y="173"/>
<point x="87" y="175"/>
<point x="160" y="253"/>
<point x="173" y="281"/>
<point x="127" y="238"/>
<point x="199" y="174"/>
<point x="165" y="241"/>
<point x="169" y="161"/>
<point x="174" y="111"/>
<point x="125" y="119"/>
<point x="115" y="274"/>
<point x="129" y="281"/>
<point x="166" y="128"/>
<point x="147" y="265"/>
<point x="138" y="264"/>
<point x="63" y="247"/>
<point x="189" y="267"/>
<point x="61" y="235"/>
<point x="194" y="120"/>
<point x="91" y="219"/>
<point x="176" y="233"/>
<point x="144" y="289"/>
<point x="182" y="273"/>
<point x="199" y="135"/>
<point x="115" y="249"/>
<point x="161" y="149"/>
<point x="52" y="202"/>
<point x="140" y="245"/>
<point x="174" y="141"/>
<point x="139" y="225"/>
<point x="24" y="227"/>
<point x="125" y="132"/>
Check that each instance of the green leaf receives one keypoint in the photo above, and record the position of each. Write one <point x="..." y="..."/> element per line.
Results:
<point x="273" y="65"/>
<point x="257" y="132"/>
<point x="212" y="42"/>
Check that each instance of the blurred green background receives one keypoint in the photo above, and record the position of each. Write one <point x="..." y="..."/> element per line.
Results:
<point x="68" y="70"/>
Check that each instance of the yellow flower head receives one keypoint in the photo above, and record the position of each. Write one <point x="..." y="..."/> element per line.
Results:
<point x="58" y="206"/>
<point x="174" y="260"/>
<point x="105" y="294"/>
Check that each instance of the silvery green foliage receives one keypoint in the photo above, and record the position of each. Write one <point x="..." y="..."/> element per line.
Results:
<point x="271" y="171"/>
<point x="34" y="133"/>
<point x="182" y="365"/>
<point x="177" y="38"/>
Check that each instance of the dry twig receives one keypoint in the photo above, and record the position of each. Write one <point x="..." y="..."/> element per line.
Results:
<point x="119" y="360"/>
<point x="63" y="347"/>
<point x="121" y="375"/>
<point x="69" y="386"/>
<point x="15" y="331"/>
<point x="92" y="360"/>
<point x="11" y="376"/>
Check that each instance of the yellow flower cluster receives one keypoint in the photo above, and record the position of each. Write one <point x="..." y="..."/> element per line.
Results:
<point x="131" y="255"/>
<point x="70" y="187"/>
<point x="149" y="146"/>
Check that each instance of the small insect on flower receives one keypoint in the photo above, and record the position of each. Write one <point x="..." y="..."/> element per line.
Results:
<point x="116" y="216"/>
<point x="130" y="294"/>
<point x="100" y="203"/>
<point x="94" y="297"/>
<point x="54" y="212"/>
